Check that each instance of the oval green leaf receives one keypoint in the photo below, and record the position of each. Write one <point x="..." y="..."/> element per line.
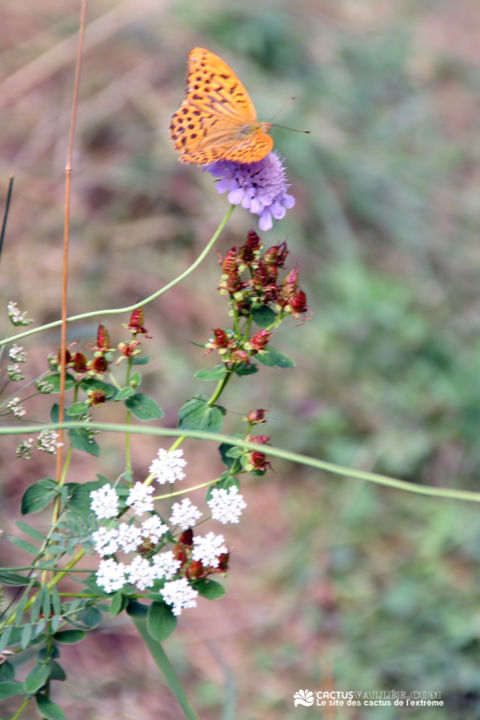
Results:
<point x="69" y="637"/>
<point x="143" y="407"/>
<point x="49" y="709"/>
<point x="36" y="678"/>
<point x="161" y="622"/>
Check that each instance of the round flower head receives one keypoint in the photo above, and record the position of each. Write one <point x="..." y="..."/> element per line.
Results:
<point x="168" y="466"/>
<point x="226" y="506"/>
<point x="260" y="187"/>
<point x="179" y="594"/>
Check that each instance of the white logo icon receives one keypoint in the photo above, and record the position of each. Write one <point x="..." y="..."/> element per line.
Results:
<point x="303" y="697"/>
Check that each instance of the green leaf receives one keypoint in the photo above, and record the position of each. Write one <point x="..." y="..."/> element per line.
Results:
<point x="56" y="602"/>
<point x="137" y="609"/>
<point x="143" y="407"/>
<point x="24" y="545"/>
<point x="55" y="412"/>
<point x="274" y="358"/>
<point x="49" y="709"/>
<point x="30" y="531"/>
<point x="46" y="606"/>
<point x="81" y="440"/>
<point x="119" y="603"/>
<point x="56" y="671"/>
<point x="69" y="637"/>
<point x="5" y="637"/>
<point x="89" y="384"/>
<point x="246" y="369"/>
<point x="25" y="636"/>
<point x="77" y="408"/>
<point x="137" y="360"/>
<point x="10" y="688"/>
<point x="36" y="678"/>
<point x="197" y="415"/>
<point x="124" y="393"/>
<point x="7" y="671"/>
<point x="264" y="316"/>
<point x="235" y="452"/>
<point x="38" y="496"/>
<point x="161" y="622"/>
<point x="223" y="449"/>
<point x="54" y="381"/>
<point x="216" y="373"/>
<point x="136" y="379"/>
<point x="80" y="499"/>
<point x="14" y="579"/>
<point x="209" y="589"/>
<point x="90" y="617"/>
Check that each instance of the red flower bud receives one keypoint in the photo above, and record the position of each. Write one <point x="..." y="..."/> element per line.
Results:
<point x="103" y="340"/>
<point x="98" y="364"/>
<point x="79" y="362"/>
<point x="298" y="302"/>
<point x="259" y="460"/>
<point x="97" y="397"/>
<point x="223" y="561"/>
<point x="220" y="338"/>
<point x="246" y="254"/>
<point x="259" y="340"/>
<point x="137" y="320"/>
<point x="259" y="439"/>
<point x="196" y="569"/>
<point x="238" y="356"/>
<point x="234" y="283"/>
<point x="186" y="538"/>
<point x="291" y="281"/>
<point x="181" y="554"/>
<point x="256" y="416"/>
<point x="128" y="349"/>
<point x="68" y="357"/>
<point x="253" y="241"/>
<point x="229" y="262"/>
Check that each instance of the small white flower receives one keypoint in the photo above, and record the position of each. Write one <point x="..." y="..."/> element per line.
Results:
<point x="15" y="372"/>
<point x="104" y="502"/>
<point x="168" y="466"/>
<point x="17" y="354"/>
<point x="15" y="408"/>
<point x="16" y="316"/>
<point x="24" y="449"/>
<point x="153" y="528"/>
<point x="179" y="594"/>
<point x="47" y="441"/>
<point x="184" y="514"/>
<point x="105" y="541"/>
<point x="226" y="506"/>
<point x="129" y="537"/>
<point x="111" y="575"/>
<point x="208" y="548"/>
<point x="140" y="498"/>
<point x="43" y="386"/>
<point x="141" y="573"/>
<point x="166" y="565"/>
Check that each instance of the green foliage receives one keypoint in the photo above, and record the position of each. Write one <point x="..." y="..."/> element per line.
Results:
<point x="209" y="588"/>
<point x="143" y="407"/>
<point x="275" y="358"/>
<point x="197" y="414"/>
<point x="217" y="373"/>
<point x="48" y="709"/>
<point x="161" y="622"/>
<point x="38" y="496"/>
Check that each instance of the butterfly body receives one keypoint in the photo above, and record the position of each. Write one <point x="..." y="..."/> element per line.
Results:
<point x="217" y="120"/>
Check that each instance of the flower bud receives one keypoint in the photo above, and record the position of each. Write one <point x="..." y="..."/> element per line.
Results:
<point x="99" y="364"/>
<point x="229" y="262"/>
<point x="233" y="283"/>
<point x="220" y="338"/>
<point x="253" y="241"/>
<point x="256" y="416"/>
<point x="196" y="569"/>
<point x="186" y="538"/>
<point x="259" y="439"/>
<point x="97" y="397"/>
<point x="298" y="302"/>
<point x="258" y="341"/>
<point x="259" y="460"/>
<point x="79" y="362"/>
<point x="103" y="340"/>
<point x="291" y="281"/>
<point x="68" y="357"/>
<point x="137" y="320"/>
<point x="223" y="561"/>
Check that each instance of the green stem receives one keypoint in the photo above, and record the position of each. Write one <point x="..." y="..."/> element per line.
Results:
<point x="130" y="308"/>
<point x="376" y="478"/>
<point x="163" y="663"/>
<point x="21" y="708"/>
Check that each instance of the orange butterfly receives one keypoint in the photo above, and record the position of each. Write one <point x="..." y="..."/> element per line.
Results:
<point x="217" y="119"/>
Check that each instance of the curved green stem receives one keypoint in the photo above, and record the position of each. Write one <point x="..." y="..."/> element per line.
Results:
<point x="377" y="478"/>
<point x="130" y="308"/>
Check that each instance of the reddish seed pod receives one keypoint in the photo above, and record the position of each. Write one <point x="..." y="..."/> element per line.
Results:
<point x="298" y="302"/>
<point x="234" y="283"/>
<point x="196" y="569"/>
<point x="258" y="460"/>
<point x="259" y="439"/>
<point x="223" y="561"/>
<point x="253" y="241"/>
<point x="256" y="416"/>
<point x="99" y="364"/>
<point x="68" y="357"/>
<point x="181" y="554"/>
<point x="103" y="340"/>
<point x="220" y="338"/>
<point x="97" y="397"/>
<point x="270" y="256"/>
<point x="291" y="281"/>
<point x="137" y="320"/>
<point x="259" y="340"/>
<point x="186" y="538"/>
<point x="79" y="362"/>
<point x="229" y="262"/>
<point x="282" y="254"/>
<point x="246" y="254"/>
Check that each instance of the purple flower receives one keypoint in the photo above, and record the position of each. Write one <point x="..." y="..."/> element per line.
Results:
<point x="260" y="187"/>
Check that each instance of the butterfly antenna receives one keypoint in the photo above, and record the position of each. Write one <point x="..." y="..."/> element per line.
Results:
<point x="285" y="127"/>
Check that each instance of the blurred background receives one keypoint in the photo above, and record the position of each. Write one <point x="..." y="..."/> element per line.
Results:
<point x="334" y="584"/>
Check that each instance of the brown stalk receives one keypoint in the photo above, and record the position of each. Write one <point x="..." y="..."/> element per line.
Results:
<point x="66" y="230"/>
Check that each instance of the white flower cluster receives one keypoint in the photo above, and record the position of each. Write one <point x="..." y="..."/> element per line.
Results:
<point x="15" y="372"/>
<point x="168" y="466"/>
<point x="47" y="441"/>
<point x="17" y="317"/>
<point x="15" y="408"/>
<point x="17" y="354"/>
<point x="140" y="534"/>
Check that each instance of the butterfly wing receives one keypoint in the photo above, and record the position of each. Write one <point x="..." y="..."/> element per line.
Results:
<point x="217" y="119"/>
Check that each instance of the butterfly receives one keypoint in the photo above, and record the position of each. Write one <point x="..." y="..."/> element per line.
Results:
<point x="217" y="120"/>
